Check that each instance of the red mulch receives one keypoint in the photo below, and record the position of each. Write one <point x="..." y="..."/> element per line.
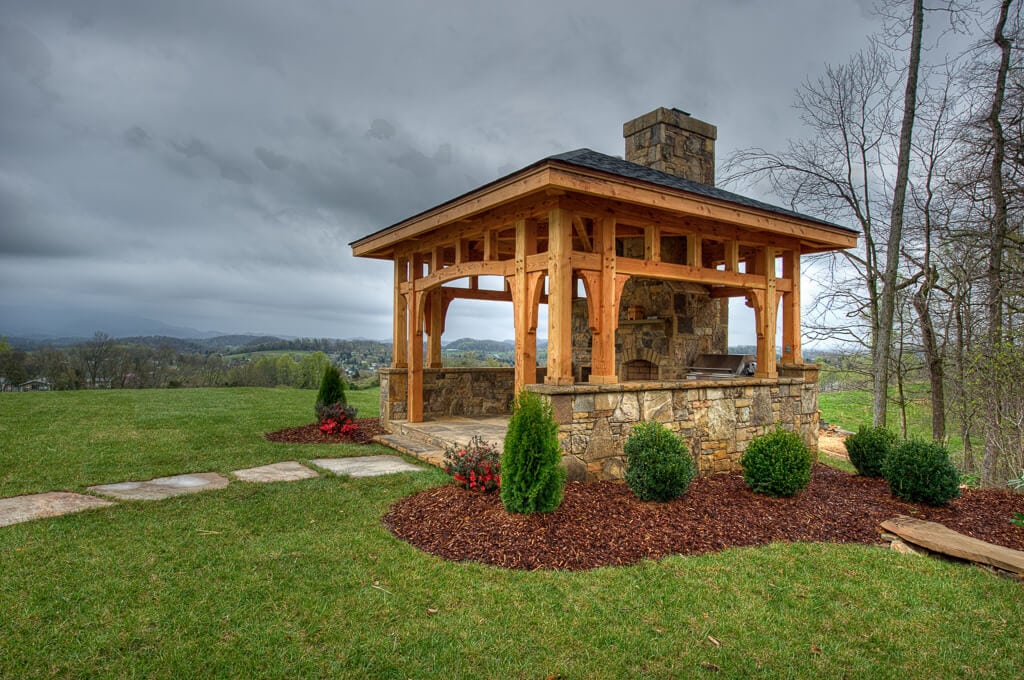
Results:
<point x="368" y="428"/>
<point x="603" y="523"/>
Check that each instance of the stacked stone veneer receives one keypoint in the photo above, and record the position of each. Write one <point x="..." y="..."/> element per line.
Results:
<point x="449" y="392"/>
<point x="716" y="419"/>
<point x="672" y="141"/>
<point x="685" y="322"/>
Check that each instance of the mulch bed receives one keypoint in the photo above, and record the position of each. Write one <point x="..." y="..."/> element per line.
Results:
<point x="603" y="523"/>
<point x="368" y="428"/>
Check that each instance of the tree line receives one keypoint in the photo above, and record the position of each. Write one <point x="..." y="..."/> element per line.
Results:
<point x="105" y="362"/>
<point x="918" y="141"/>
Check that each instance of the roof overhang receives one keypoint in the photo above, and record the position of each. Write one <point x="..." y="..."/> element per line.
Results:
<point x="554" y="176"/>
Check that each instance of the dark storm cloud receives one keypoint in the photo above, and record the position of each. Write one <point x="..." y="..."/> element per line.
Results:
<point x="212" y="160"/>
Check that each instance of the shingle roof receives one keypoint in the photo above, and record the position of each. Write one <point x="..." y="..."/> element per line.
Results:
<point x="586" y="158"/>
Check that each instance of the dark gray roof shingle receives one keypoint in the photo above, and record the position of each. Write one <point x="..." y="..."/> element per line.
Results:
<point x="586" y="158"/>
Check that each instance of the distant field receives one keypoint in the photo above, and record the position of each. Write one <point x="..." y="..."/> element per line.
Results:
<point x="76" y="439"/>
<point x="852" y="408"/>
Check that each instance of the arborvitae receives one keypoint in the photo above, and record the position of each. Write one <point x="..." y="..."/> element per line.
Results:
<point x="532" y="477"/>
<point x="332" y="390"/>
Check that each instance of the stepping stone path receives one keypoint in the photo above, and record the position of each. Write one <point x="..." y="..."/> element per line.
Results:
<point x="288" y="471"/>
<point x="367" y="466"/>
<point x="24" y="508"/>
<point x="162" y="487"/>
<point x="19" y="509"/>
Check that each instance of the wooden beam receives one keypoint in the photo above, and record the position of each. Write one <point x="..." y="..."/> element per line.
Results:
<point x="719" y="210"/>
<point x="581" y="233"/>
<point x="682" y="272"/>
<point x="559" y="298"/>
<point x="791" y="349"/>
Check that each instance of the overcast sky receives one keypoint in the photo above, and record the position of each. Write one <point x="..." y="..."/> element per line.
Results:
<point x="207" y="163"/>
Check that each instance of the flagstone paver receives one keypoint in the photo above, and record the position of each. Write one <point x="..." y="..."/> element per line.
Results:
<point x="163" y="487"/>
<point x="19" y="509"/>
<point x="288" y="471"/>
<point x="367" y="466"/>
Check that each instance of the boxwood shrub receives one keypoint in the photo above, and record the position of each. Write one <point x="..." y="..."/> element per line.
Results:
<point x="777" y="464"/>
<point x="868" y="449"/>
<point x="658" y="466"/>
<point x="921" y="472"/>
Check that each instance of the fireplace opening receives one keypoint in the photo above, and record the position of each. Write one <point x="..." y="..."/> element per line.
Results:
<point x="641" y="369"/>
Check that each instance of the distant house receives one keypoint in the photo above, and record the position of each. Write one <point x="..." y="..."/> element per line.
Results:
<point x="35" y="385"/>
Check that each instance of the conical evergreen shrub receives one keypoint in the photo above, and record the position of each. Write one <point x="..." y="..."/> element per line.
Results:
<point x="332" y="391"/>
<point x="532" y="477"/>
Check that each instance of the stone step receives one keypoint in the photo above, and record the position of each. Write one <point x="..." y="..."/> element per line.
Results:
<point x="413" y="446"/>
<point x="402" y="429"/>
<point x="938" y="538"/>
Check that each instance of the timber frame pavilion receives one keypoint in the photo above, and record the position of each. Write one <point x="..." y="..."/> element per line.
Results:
<point x="569" y="218"/>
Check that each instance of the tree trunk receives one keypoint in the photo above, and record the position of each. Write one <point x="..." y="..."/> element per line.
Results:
<point x="890" y="275"/>
<point x="996" y="241"/>
<point x="932" y="358"/>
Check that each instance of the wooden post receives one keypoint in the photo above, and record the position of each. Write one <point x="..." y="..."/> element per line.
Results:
<point x="732" y="256"/>
<point x="602" y="354"/>
<point x="559" y="298"/>
<point x="652" y="243"/>
<point x="399" y="322"/>
<point x="414" y="401"/>
<point x="791" y="350"/>
<point x="522" y="307"/>
<point x="766" y="364"/>
<point x="693" y="250"/>
<point x="435" y="326"/>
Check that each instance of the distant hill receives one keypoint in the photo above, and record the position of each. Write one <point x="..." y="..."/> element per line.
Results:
<point x="472" y="345"/>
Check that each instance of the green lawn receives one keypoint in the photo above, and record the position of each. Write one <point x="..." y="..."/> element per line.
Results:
<point x="69" y="440"/>
<point x="301" y="580"/>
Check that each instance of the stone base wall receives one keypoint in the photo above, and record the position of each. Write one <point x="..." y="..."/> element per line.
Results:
<point x="449" y="392"/>
<point x="716" y="419"/>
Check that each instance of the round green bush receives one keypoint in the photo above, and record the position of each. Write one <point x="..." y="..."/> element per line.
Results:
<point x="657" y="465"/>
<point x="777" y="464"/>
<point x="868" y="449"/>
<point x="921" y="472"/>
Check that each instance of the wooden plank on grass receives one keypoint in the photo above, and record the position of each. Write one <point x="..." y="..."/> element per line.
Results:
<point x="940" y="539"/>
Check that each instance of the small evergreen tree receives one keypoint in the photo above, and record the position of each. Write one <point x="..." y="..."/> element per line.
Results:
<point x="332" y="391"/>
<point x="532" y="477"/>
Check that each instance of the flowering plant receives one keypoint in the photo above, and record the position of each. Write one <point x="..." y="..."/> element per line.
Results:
<point x="332" y="426"/>
<point x="476" y="466"/>
<point x="336" y="419"/>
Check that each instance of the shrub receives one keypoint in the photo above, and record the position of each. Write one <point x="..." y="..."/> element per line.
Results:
<point x="657" y="465"/>
<point x="476" y="466"/>
<point x="532" y="477"/>
<point x="921" y="472"/>
<point x="868" y="449"/>
<point x="777" y="464"/>
<point x="331" y="400"/>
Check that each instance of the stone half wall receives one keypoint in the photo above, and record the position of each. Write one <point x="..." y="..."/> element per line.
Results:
<point x="449" y="392"/>
<point x="716" y="419"/>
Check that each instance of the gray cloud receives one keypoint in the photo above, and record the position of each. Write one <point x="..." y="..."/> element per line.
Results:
<point x="213" y="164"/>
<point x="272" y="161"/>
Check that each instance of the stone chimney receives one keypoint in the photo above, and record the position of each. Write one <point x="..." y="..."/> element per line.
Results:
<point x="672" y="141"/>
